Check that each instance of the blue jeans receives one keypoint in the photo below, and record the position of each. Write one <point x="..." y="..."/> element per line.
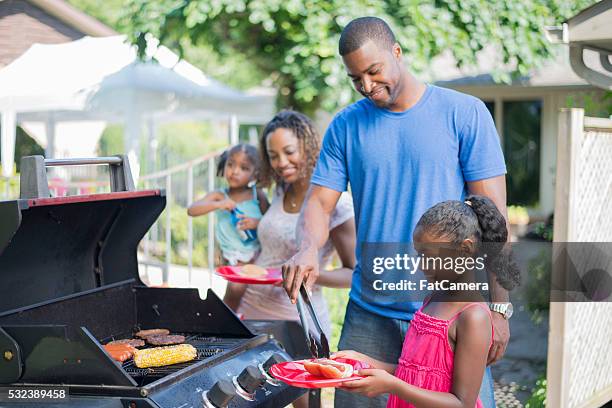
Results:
<point x="382" y="338"/>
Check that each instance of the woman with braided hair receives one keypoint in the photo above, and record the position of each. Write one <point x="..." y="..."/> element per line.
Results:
<point x="289" y="146"/>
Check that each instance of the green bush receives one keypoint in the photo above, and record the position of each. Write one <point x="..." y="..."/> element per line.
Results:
<point x="518" y="214"/>
<point x="336" y="302"/>
<point x="538" y="394"/>
<point x="537" y="291"/>
<point x="179" y="228"/>
<point x="544" y="230"/>
<point x="9" y="188"/>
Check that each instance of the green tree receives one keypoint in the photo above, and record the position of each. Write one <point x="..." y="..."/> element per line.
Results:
<point x="111" y="141"/>
<point x="25" y="145"/>
<point x="110" y="12"/>
<point x="295" y="41"/>
<point x="234" y="70"/>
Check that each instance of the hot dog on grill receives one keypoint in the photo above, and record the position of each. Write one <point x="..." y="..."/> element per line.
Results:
<point x="324" y="367"/>
<point x="120" y="352"/>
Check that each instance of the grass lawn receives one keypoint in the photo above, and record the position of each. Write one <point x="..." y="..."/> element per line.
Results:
<point x="336" y="301"/>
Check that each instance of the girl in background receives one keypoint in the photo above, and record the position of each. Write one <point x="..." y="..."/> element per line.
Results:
<point x="445" y="351"/>
<point x="239" y="209"/>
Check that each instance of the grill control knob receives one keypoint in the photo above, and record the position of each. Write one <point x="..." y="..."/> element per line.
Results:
<point x="250" y="379"/>
<point x="221" y="394"/>
<point x="275" y="358"/>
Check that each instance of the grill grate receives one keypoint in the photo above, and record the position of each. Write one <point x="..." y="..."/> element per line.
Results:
<point x="205" y="345"/>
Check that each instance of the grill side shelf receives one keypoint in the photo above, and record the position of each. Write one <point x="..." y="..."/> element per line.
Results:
<point x="11" y="362"/>
<point x="59" y="354"/>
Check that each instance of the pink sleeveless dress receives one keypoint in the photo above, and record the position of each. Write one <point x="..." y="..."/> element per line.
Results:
<point x="427" y="358"/>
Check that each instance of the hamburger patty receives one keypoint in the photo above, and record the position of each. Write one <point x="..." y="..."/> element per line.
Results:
<point x="165" y="340"/>
<point x="131" y="342"/>
<point x="143" y="334"/>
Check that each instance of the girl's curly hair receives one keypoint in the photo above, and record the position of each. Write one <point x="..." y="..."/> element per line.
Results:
<point x="303" y="128"/>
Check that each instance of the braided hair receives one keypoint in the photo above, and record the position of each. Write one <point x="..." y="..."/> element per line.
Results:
<point x="304" y="130"/>
<point x="479" y="219"/>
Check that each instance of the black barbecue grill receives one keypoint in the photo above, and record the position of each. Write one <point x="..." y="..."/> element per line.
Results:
<point x="69" y="284"/>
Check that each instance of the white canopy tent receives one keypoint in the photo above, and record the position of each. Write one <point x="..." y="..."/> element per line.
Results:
<point x="101" y="79"/>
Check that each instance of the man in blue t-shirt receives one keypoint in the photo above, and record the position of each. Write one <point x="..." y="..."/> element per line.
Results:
<point x="403" y="148"/>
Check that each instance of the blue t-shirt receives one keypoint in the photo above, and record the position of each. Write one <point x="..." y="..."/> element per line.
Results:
<point x="399" y="164"/>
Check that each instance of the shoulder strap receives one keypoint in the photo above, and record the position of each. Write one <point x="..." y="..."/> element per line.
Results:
<point x="480" y="304"/>
<point x="426" y="301"/>
<point x="255" y="192"/>
<point x="456" y="316"/>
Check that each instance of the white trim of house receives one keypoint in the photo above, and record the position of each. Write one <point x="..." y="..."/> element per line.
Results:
<point x="553" y="99"/>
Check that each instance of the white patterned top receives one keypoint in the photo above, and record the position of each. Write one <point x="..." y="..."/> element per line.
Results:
<point x="276" y="233"/>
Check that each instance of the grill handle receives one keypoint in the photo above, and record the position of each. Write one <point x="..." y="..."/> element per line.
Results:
<point x="34" y="183"/>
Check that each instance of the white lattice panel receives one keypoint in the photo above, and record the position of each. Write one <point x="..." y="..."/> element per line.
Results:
<point x="589" y="339"/>
<point x="594" y="195"/>
<point x="588" y="336"/>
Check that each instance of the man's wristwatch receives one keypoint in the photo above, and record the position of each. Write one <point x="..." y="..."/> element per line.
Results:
<point x="505" y="309"/>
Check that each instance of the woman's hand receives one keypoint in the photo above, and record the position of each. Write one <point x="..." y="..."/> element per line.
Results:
<point x="247" y="223"/>
<point x="376" y="382"/>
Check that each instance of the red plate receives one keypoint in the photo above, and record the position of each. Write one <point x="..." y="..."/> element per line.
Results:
<point x="232" y="274"/>
<point x="294" y="374"/>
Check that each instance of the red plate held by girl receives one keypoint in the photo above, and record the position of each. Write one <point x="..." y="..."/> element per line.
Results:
<point x="293" y="373"/>
<point x="250" y="274"/>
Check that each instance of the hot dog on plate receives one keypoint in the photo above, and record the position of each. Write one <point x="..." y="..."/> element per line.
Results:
<point x="327" y="368"/>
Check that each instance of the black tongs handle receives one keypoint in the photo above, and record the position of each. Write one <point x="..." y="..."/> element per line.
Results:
<point x="310" y="341"/>
<point x="324" y="349"/>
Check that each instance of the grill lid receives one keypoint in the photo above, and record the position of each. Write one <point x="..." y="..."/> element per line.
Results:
<point x="56" y="247"/>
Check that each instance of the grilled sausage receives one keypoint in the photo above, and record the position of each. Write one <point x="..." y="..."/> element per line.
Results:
<point x="120" y="352"/>
<point x="327" y="368"/>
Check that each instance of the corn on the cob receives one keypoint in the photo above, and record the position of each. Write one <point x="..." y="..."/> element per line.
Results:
<point x="163" y="356"/>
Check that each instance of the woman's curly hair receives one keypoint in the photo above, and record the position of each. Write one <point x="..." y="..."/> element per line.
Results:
<point x="310" y="142"/>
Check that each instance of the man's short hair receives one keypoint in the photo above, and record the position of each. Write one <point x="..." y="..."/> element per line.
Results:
<point x="364" y="29"/>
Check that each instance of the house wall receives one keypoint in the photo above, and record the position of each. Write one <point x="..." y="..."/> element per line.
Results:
<point x="23" y="24"/>
<point x="552" y="99"/>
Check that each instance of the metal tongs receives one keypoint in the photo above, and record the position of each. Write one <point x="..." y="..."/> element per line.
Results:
<point x="318" y="349"/>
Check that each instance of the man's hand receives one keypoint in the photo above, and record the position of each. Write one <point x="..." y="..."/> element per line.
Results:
<point x="500" y="339"/>
<point x="376" y="382"/>
<point x="303" y="267"/>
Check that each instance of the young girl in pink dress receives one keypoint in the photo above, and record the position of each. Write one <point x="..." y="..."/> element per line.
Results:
<point x="445" y="351"/>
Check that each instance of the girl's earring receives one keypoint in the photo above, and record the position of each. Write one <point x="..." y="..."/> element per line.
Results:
<point x="251" y="184"/>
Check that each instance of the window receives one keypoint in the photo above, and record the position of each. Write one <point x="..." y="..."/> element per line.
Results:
<point x="520" y="126"/>
<point x="521" y="144"/>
